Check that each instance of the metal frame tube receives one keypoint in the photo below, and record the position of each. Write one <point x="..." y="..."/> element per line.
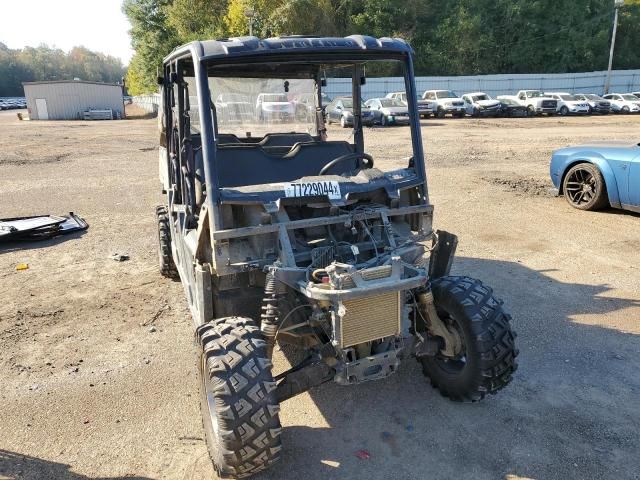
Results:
<point x="208" y="143"/>
<point x="416" y="134"/>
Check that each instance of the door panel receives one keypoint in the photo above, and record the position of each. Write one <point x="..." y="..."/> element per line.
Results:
<point x="41" y="107"/>
<point x="634" y="182"/>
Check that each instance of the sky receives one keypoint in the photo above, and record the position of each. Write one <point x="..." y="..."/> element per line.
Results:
<point x="98" y="25"/>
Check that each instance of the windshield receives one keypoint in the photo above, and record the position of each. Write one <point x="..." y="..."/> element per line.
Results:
<point x="534" y="94"/>
<point x="258" y="105"/>
<point x="633" y="98"/>
<point x="274" y="98"/>
<point x="477" y="98"/>
<point x="391" y="102"/>
<point x="570" y="98"/>
<point x="592" y="97"/>
<point x="234" y="98"/>
<point x="445" y="94"/>
<point x="508" y="101"/>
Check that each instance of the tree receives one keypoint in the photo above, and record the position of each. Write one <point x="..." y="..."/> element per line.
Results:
<point x="152" y="38"/>
<point x="197" y="19"/>
<point x="44" y="63"/>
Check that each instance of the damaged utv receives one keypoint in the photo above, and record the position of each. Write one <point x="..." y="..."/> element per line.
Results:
<point x="282" y="234"/>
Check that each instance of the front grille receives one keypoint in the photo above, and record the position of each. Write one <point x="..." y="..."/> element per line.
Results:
<point x="457" y="104"/>
<point x="370" y="318"/>
<point x="549" y="104"/>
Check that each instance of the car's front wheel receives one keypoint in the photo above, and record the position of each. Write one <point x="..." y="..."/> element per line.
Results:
<point x="625" y="110"/>
<point x="564" y="111"/>
<point x="343" y="122"/>
<point x="584" y="187"/>
<point x="441" y="113"/>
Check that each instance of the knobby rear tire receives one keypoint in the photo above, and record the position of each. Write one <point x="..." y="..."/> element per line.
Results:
<point x="239" y="407"/>
<point x="167" y="265"/>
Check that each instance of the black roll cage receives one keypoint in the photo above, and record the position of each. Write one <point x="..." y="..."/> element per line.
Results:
<point x="196" y="59"/>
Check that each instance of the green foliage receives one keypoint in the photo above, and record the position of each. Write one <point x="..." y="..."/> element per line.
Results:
<point x="450" y="37"/>
<point x="152" y="37"/>
<point x="44" y="63"/>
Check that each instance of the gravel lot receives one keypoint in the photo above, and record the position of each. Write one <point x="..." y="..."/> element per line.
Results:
<point x="97" y="362"/>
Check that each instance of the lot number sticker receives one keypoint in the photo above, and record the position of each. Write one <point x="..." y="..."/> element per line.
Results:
<point x="313" y="189"/>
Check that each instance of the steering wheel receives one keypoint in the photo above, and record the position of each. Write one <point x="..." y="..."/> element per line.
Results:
<point x="349" y="156"/>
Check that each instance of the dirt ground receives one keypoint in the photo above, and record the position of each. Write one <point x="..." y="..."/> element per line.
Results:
<point x="97" y="361"/>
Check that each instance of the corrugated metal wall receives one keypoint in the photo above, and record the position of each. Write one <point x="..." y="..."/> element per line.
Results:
<point x="622" y="81"/>
<point x="68" y="100"/>
<point x="149" y="103"/>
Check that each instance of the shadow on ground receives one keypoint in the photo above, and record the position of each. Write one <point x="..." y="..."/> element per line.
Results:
<point x="570" y="413"/>
<point x="25" y="244"/>
<point x="23" y="467"/>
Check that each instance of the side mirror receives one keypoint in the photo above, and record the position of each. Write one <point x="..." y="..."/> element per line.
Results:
<point x="363" y="80"/>
<point x="323" y="82"/>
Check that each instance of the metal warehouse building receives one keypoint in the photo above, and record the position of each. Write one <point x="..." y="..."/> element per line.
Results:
<point x="70" y="99"/>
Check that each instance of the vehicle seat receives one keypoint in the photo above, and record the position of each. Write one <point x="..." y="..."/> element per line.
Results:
<point x="245" y="164"/>
<point x="285" y="139"/>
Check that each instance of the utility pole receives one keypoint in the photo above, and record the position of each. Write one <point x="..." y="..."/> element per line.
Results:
<point x="617" y="5"/>
<point x="250" y="13"/>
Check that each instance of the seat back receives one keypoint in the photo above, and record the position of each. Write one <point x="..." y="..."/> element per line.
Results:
<point x="247" y="164"/>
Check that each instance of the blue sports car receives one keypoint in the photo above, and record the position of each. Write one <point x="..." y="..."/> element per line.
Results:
<point x="598" y="175"/>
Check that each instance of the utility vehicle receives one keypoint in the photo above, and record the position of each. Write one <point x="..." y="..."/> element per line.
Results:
<point x="282" y="234"/>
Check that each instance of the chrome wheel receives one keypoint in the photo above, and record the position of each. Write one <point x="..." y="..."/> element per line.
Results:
<point x="584" y="187"/>
<point x="581" y="187"/>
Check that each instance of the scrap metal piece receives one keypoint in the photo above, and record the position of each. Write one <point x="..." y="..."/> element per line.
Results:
<point x="40" y="227"/>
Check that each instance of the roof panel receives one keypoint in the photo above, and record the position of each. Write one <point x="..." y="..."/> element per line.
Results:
<point x="248" y="46"/>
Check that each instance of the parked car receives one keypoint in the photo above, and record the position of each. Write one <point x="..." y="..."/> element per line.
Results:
<point x="426" y="108"/>
<point x="340" y="110"/>
<point x="305" y="106"/>
<point x="537" y="102"/>
<point x="623" y="102"/>
<point x="569" y="104"/>
<point x="233" y="107"/>
<point x="511" y="108"/>
<point x="598" y="175"/>
<point x="597" y="104"/>
<point x="446" y="102"/>
<point x="274" y="106"/>
<point x="479" y="104"/>
<point x="391" y="111"/>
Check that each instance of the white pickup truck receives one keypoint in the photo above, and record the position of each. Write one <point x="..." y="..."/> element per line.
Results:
<point x="536" y="101"/>
<point x="426" y="108"/>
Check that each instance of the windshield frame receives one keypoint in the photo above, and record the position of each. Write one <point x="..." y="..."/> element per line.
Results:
<point x="181" y="63"/>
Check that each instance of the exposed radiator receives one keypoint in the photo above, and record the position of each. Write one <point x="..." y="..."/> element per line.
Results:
<point x="370" y="318"/>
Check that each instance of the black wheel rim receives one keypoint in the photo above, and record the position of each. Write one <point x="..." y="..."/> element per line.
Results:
<point x="581" y="187"/>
